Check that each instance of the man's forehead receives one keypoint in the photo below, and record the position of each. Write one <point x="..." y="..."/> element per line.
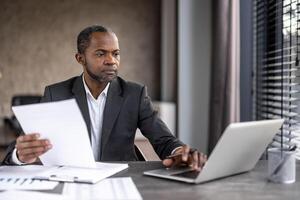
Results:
<point x="104" y="40"/>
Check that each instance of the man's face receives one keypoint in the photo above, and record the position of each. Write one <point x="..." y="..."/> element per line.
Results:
<point x="101" y="58"/>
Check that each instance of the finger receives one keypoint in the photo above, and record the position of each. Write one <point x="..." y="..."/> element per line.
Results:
<point x="168" y="162"/>
<point x="30" y="158"/>
<point x="195" y="160"/>
<point x="35" y="143"/>
<point x="35" y="150"/>
<point x="202" y="159"/>
<point x="178" y="162"/>
<point x="29" y="137"/>
<point x="185" y="153"/>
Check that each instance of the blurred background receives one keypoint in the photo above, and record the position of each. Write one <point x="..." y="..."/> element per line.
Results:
<point x="200" y="59"/>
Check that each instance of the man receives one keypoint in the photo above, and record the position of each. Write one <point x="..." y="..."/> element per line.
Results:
<point x="112" y="108"/>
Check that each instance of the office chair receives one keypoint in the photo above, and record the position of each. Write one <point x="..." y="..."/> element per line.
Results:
<point x="17" y="100"/>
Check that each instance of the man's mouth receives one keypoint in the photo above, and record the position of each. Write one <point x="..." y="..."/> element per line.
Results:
<point x="110" y="72"/>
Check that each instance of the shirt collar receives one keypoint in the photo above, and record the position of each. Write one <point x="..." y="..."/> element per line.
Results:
<point x="88" y="92"/>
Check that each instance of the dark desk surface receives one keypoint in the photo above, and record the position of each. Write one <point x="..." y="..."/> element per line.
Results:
<point x="247" y="186"/>
<point x="252" y="185"/>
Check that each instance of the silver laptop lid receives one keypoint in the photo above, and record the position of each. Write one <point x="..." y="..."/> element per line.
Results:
<point x="239" y="148"/>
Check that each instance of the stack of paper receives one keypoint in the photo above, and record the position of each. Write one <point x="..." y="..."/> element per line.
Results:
<point x="110" y="188"/>
<point x="13" y="195"/>
<point x="26" y="184"/>
<point x="13" y="175"/>
<point x="21" y="178"/>
<point x="82" y="175"/>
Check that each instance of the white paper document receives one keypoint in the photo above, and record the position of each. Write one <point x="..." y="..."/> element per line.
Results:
<point x="17" y="176"/>
<point x="21" y="178"/>
<point x="22" y="171"/>
<point x="110" y="188"/>
<point x="26" y="184"/>
<point x="62" y="123"/>
<point x="82" y="175"/>
<point x="29" y="195"/>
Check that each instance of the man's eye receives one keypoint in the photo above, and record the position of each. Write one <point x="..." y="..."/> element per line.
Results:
<point x="116" y="54"/>
<point x="99" y="54"/>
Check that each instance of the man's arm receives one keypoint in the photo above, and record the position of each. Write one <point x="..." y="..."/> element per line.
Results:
<point x="164" y="143"/>
<point x="154" y="128"/>
<point x="8" y="155"/>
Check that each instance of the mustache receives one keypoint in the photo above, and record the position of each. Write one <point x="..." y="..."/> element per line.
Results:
<point x="111" y="68"/>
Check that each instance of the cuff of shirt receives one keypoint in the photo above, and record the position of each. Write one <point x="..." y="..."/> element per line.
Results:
<point x="15" y="159"/>
<point x="174" y="150"/>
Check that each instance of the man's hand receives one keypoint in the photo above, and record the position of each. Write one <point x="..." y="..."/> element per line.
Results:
<point x="30" y="147"/>
<point x="186" y="156"/>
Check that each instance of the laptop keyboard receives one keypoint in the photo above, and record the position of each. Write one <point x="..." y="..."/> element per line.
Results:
<point x="189" y="174"/>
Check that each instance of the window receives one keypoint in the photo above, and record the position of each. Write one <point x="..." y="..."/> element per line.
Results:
<point x="276" y="67"/>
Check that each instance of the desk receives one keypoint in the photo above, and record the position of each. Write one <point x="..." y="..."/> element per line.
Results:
<point x="247" y="186"/>
<point x="252" y="185"/>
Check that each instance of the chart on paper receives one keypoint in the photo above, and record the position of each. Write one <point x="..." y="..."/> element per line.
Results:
<point x="25" y="184"/>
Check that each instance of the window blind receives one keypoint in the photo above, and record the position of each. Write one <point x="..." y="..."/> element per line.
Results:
<point x="276" y="86"/>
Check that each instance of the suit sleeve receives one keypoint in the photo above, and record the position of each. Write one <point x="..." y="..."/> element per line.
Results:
<point x="8" y="155"/>
<point x="47" y="96"/>
<point x="154" y="128"/>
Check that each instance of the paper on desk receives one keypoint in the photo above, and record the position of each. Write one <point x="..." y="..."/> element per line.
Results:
<point x="110" y="188"/>
<point x="16" y="174"/>
<point x="26" y="195"/>
<point x="23" y="171"/>
<point x="87" y="175"/>
<point x="20" y="178"/>
<point x="26" y="184"/>
<point x="62" y="123"/>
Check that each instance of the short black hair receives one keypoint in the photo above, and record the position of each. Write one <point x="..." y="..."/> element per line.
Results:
<point x="83" y="39"/>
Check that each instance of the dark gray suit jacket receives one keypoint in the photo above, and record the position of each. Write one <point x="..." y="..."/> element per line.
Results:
<point x="127" y="108"/>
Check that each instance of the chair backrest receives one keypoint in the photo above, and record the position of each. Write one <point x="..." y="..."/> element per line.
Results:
<point x="17" y="100"/>
<point x="25" y="99"/>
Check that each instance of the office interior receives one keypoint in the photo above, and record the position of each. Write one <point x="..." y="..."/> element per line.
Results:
<point x="171" y="46"/>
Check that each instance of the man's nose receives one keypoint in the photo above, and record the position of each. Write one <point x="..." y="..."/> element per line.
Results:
<point x="109" y="60"/>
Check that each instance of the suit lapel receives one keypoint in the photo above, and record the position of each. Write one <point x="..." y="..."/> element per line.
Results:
<point x="112" y="108"/>
<point x="80" y="96"/>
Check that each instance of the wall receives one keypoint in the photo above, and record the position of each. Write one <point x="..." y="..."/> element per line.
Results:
<point x="194" y="72"/>
<point x="38" y="42"/>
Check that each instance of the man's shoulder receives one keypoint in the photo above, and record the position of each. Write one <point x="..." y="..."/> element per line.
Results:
<point x="129" y="85"/>
<point x="64" y="84"/>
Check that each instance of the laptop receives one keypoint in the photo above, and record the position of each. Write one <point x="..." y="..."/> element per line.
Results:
<point x="237" y="151"/>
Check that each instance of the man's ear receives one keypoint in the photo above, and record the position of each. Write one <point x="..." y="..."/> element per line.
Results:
<point x="80" y="58"/>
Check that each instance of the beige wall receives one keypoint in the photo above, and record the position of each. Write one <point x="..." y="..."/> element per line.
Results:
<point x="38" y="42"/>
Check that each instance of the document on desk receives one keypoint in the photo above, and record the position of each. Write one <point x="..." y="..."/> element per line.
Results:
<point x="21" y="178"/>
<point x="29" y="195"/>
<point x="26" y="184"/>
<point x="81" y="174"/>
<point x="15" y="177"/>
<point x="110" y="188"/>
<point x="62" y="123"/>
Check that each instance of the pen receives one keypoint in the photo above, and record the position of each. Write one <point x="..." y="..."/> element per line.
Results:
<point x="180" y="154"/>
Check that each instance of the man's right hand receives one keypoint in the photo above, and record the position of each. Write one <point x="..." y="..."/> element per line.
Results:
<point x="29" y="147"/>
